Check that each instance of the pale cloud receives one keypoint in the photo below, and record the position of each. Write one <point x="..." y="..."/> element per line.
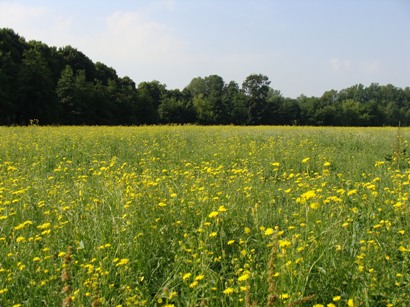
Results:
<point x="371" y="67"/>
<point x="340" y="64"/>
<point x="136" y="45"/>
<point x="365" y="66"/>
<point x="130" y="41"/>
<point x="133" y="34"/>
<point x="168" y="5"/>
<point x="35" y="22"/>
<point x="19" y="14"/>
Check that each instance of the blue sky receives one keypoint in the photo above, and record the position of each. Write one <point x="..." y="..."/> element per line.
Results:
<point x="304" y="47"/>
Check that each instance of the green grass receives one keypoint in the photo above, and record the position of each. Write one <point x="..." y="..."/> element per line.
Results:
<point x="213" y="216"/>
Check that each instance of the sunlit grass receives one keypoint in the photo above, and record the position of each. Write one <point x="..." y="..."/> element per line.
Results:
<point x="185" y="216"/>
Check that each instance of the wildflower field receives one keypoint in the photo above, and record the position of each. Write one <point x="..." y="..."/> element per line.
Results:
<point x="204" y="216"/>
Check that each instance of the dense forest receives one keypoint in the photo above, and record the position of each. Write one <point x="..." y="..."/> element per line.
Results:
<point x="62" y="86"/>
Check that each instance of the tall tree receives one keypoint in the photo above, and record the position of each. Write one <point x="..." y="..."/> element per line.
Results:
<point x="36" y="99"/>
<point x="352" y="111"/>
<point x="196" y="87"/>
<point x="127" y="105"/>
<point x="14" y="45"/>
<point x="308" y="109"/>
<point x="208" y="100"/>
<point x="288" y="112"/>
<point x="149" y="99"/>
<point x="256" y="89"/>
<point x="75" y="96"/>
<point x="78" y="61"/>
<point x="50" y="55"/>
<point x="219" y="107"/>
<point x="85" y="96"/>
<point x="67" y="96"/>
<point x="176" y="107"/>
<point x="8" y="71"/>
<point x="198" y="91"/>
<point x="104" y="73"/>
<point x="234" y="100"/>
<point x="101" y="110"/>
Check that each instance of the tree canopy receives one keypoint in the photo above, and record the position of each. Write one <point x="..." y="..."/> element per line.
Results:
<point x="62" y="86"/>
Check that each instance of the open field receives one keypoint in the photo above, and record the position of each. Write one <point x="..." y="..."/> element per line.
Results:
<point x="212" y="216"/>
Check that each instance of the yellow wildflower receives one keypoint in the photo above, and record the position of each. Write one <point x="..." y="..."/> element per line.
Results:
<point x="44" y="226"/>
<point x="228" y="291"/>
<point x="244" y="276"/>
<point x="284" y="243"/>
<point x="186" y="276"/>
<point x="221" y="209"/>
<point x="123" y="261"/>
<point x="20" y="239"/>
<point x="403" y="249"/>
<point x="213" y="214"/>
<point x="268" y="231"/>
<point x="22" y="225"/>
<point x="337" y="298"/>
<point x="308" y="195"/>
<point x="314" y="205"/>
<point x="351" y="192"/>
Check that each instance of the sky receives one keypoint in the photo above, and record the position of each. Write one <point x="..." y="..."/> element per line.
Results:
<point x="302" y="46"/>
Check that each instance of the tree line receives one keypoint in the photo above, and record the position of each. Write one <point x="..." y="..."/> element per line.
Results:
<point x="62" y="86"/>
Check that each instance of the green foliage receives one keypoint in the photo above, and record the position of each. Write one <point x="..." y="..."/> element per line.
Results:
<point x="176" y="107"/>
<point x="64" y="86"/>
<point x="35" y="98"/>
<point x="7" y="105"/>
<point x="210" y="101"/>
<point x="78" y="61"/>
<point x="256" y="89"/>
<point x="150" y="94"/>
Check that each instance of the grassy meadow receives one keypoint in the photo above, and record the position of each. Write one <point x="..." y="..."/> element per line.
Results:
<point x="204" y="216"/>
